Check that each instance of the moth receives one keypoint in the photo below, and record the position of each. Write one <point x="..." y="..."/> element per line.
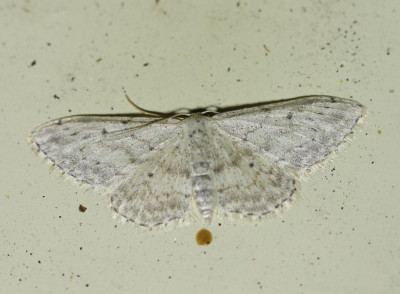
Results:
<point x="159" y="167"/>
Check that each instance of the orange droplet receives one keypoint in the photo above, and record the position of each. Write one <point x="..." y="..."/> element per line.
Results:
<point x="204" y="237"/>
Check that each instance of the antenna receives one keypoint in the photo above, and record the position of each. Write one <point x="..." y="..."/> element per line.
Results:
<point x="155" y="113"/>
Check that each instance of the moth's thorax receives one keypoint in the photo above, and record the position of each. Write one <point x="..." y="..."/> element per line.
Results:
<point x="198" y="133"/>
<point x="199" y="137"/>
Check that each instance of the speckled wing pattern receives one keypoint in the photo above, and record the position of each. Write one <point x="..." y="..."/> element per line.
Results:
<point x="269" y="146"/>
<point x="244" y="161"/>
<point x="102" y="150"/>
<point x="296" y="133"/>
<point x="248" y="183"/>
<point x="132" y="155"/>
<point x="159" y="189"/>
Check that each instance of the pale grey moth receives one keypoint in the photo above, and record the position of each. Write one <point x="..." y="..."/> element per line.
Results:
<point x="160" y="167"/>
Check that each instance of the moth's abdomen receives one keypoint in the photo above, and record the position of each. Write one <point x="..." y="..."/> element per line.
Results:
<point x="203" y="187"/>
<point x="202" y="150"/>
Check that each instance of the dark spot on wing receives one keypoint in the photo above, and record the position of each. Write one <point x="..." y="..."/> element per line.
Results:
<point x="150" y="174"/>
<point x="187" y="173"/>
<point x="251" y="164"/>
<point x="235" y="160"/>
<point x="289" y="115"/>
<point x="74" y="134"/>
<point x="218" y="168"/>
<point x="124" y="122"/>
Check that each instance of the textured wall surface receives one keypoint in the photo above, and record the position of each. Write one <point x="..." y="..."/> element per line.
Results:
<point x="58" y="58"/>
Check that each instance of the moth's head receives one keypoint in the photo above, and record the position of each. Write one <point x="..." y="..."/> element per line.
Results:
<point x="185" y="112"/>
